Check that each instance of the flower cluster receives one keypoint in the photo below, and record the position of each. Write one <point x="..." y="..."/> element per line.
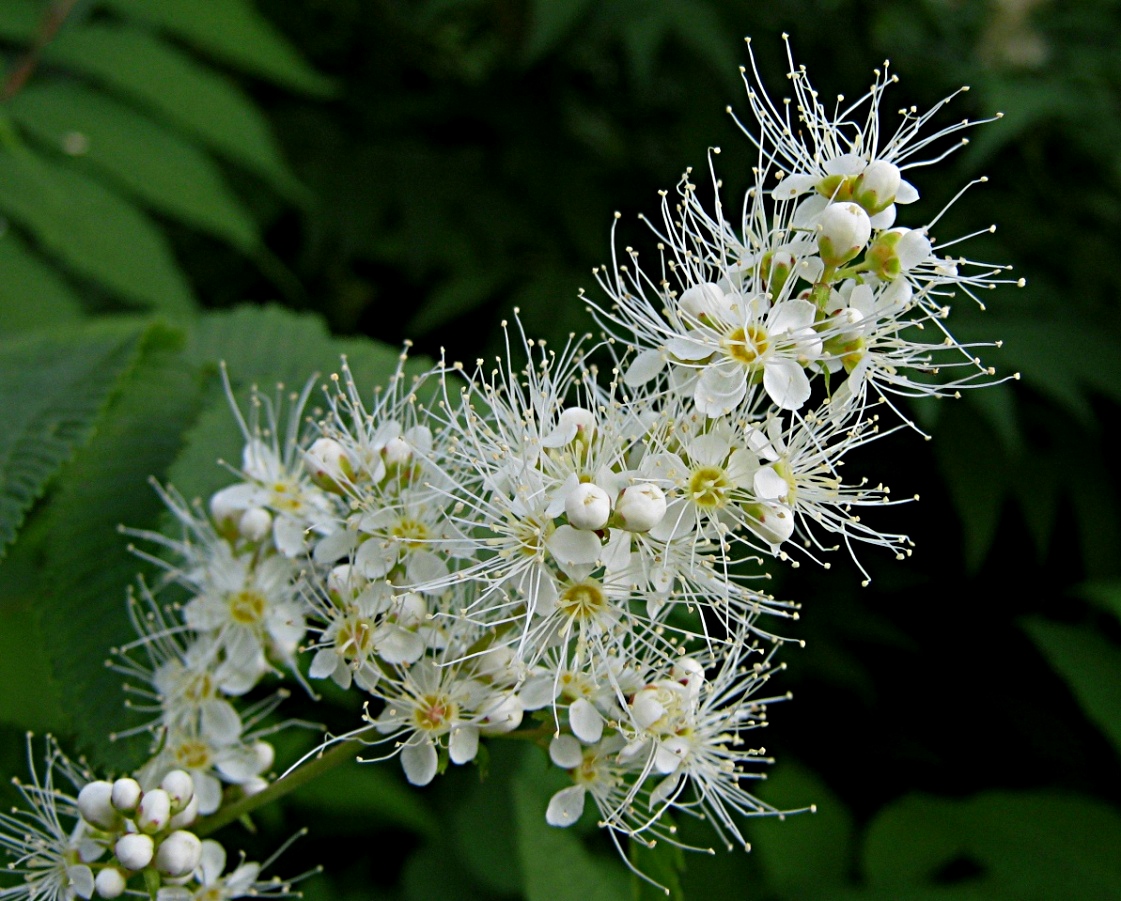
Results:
<point x="564" y="543"/>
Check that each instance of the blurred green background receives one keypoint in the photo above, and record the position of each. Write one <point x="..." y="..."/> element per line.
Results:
<point x="267" y="181"/>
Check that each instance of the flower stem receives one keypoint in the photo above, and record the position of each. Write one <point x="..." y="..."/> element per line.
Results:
<point x="324" y="762"/>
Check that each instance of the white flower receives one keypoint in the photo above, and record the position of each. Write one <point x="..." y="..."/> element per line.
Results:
<point x="48" y="844"/>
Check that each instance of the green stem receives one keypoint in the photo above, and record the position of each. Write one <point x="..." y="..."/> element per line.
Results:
<point x="342" y="752"/>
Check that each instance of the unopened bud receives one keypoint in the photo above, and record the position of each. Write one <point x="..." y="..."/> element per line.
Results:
<point x="180" y="788"/>
<point x="327" y="463"/>
<point x="126" y="795"/>
<point x="134" y="851"/>
<point x="186" y="816"/>
<point x="845" y="229"/>
<point x="179" y="854"/>
<point x="774" y="523"/>
<point x="154" y="811"/>
<point x="226" y="507"/>
<point x="587" y="506"/>
<point x="110" y="883"/>
<point x="397" y="452"/>
<point x="255" y="524"/>
<point x="876" y="186"/>
<point x="640" y="507"/>
<point x="95" y="804"/>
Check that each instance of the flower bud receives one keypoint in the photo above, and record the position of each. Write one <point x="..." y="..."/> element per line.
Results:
<point x="179" y="854"/>
<point x="180" y="788"/>
<point x="587" y="506"/>
<point x="573" y="423"/>
<point x="701" y="302"/>
<point x="876" y="186"/>
<point x="226" y="508"/>
<point x="397" y="452"/>
<point x="640" y="507"/>
<point x="126" y="795"/>
<point x="110" y="883"/>
<point x="255" y="524"/>
<point x="134" y="851"/>
<point x="186" y="816"/>
<point x="95" y="804"/>
<point x="774" y="523"/>
<point x="154" y="811"/>
<point x="844" y="230"/>
<point x="327" y="463"/>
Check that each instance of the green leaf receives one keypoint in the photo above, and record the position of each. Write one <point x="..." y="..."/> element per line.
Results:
<point x="555" y="864"/>
<point x="976" y="476"/>
<point x="30" y="697"/>
<point x="550" y="22"/>
<point x="94" y="231"/>
<point x="1089" y="664"/>
<point x="178" y="89"/>
<point x="1030" y="846"/>
<point x="155" y="165"/>
<point x="90" y="567"/>
<point x="19" y="19"/>
<point x="370" y="792"/>
<point x="264" y="346"/>
<point x="808" y="848"/>
<point x="31" y="294"/>
<point x="1106" y="594"/>
<point x="232" y="31"/>
<point x="52" y="390"/>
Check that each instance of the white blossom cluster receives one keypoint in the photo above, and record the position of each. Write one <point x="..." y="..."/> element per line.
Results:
<point x="564" y="543"/>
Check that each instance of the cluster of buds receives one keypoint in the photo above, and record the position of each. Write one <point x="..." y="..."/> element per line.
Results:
<point x="146" y="831"/>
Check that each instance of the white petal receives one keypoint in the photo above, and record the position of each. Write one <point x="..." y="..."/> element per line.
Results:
<point x="463" y="744"/>
<point x="220" y="722"/>
<point x="375" y="558"/>
<point x="586" y="722"/>
<point x="885" y="218"/>
<point x="907" y="192"/>
<point x="288" y="533"/>
<point x="323" y="663"/>
<point x="209" y="792"/>
<point x="691" y="349"/>
<point x="769" y="485"/>
<point x="846" y="164"/>
<point x="644" y="367"/>
<point x="565" y="752"/>
<point x="571" y="545"/>
<point x="213" y="861"/>
<point x="425" y="568"/>
<point x="419" y="763"/>
<point x="792" y="315"/>
<point x="396" y="645"/>
<point x="913" y="248"/>
<point x="566" y="806"/>
<point x="786" y="383"/>
<point x="793" y="185"/>
<point x="81" y="880"/>
<point x="537" y="692"/>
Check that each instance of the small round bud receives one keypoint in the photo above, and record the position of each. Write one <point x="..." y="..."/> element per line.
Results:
<point x="134" y="851"/>
<point x="327" y="463"/>
<point x="587" y="506"/>
<point x="774" y="523"/>
<point x="572" y="424"/>
<point x="876" y="186"/>
<point x="180" y="788"/>
<point x="255" y="524"/>
<point x="640" y="507"/>
<point x="109" y="883"/>
<point x="397" y="452"/>
<point x="95" y="804"/>
<point x="126" y="795"/>
<point x="845" y="229"/>
<point x="179" y="854"/>
<point x="226" y="507"/>
<point x="154" y="811"/>
<point x="265" y="754"/>
<point x="186" y="816"/>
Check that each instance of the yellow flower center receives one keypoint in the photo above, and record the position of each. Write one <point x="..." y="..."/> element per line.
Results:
<point x="247" y="607"/>
<point x="708" y="487"/>
<point x="746" y="345"/>
<point x="434" y="712"/>
<point x="412" y="532"/>
<point x="584" y="600"/>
